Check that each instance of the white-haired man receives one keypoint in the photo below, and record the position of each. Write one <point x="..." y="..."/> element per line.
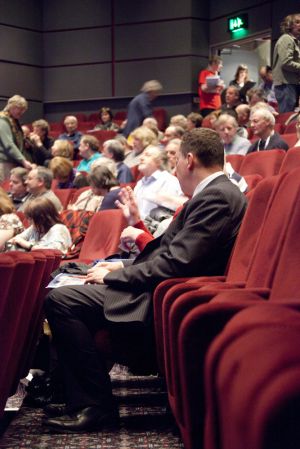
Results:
<point x="262" y="122"/>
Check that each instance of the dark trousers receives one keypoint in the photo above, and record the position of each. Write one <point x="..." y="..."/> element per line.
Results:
<point x="75" y="314"/>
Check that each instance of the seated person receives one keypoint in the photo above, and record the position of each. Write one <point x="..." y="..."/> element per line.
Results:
<point x="10" y="223"/>
<point x="255" y="96"/>
<point x="262" y="124"/>
<point x="105" y="184"/>
<point x="172" y="132"/>
<point x="156" y="180"/>
<point x="89" y="151"/>
<point x="232" y="98"/>
<point x="39" y="143"/>
<point x="179" y="120"/>
<point x="91" y="199"/>
<point x="151" y="123"/>
<point x="46" y="230"/>
<point x="114" y="150"/>
<point x="71" y="134"/>
<point x="38" y="184"/>
<point x="62" y="148"/>
<point x="63" y="172"/>
<point x="226" y="126"/>
<point x="18" y="192"/>
<point x="106" y="121"/>
<point x="194" y="120"/>
<point x="172" y="150"/>
<point x="243" y="119"/>
<point x="141" y="137"/>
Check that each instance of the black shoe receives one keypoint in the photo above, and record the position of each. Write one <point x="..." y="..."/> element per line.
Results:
<point x="56" y="410"/>
<point x="87" y="419"/>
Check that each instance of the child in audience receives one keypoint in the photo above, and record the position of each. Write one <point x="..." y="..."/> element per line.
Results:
<point x="46" y="230"/>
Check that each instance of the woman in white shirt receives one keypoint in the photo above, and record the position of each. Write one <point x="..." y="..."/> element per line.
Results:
<point x="46" y="230"/>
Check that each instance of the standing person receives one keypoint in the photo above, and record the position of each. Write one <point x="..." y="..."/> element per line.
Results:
<point x="210" y="96"/>
<point x="197" y="242"/>
<point x="241" y="81"/>
<point x="140" y="106"/>
<point x="11" y="137"/>
<point x="286" y="64"/>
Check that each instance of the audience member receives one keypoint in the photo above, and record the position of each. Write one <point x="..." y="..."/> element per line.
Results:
<point x="18" y="192"/>
<point x="38" y="183"/>
<point x="12" y="151"/>
<point x="10" y="223"/>
<point x="297" y="144"/>
<point x="241" y="81"/>
<point x="156" y="180"/>
<point x="243" y="117"/>
<point x="262" y="124"/>
<point x="89" y="151"/>
<point x="106" y="121"/>
<point x="210" y="95"/>
<point x="210" y="120"/>
<point x="151" y="123"/>
<point x="71" y="134"/>
<point x="286" y="64"/>
<point x="232" y="98"/>
<point x="179" y="120"/>
<point x="63" y="172"/>
<point x="105" y="184"/>
<point x="226" y="126"/>
<point x="198" y="242"/>
<point x="140" y="106"/>
<point x="40" y="143"/>
<point x="172" y="151"/>
<point x="46" y="230"/>
<point x="90" y="199"/>
<point x="172" y="132"/>
<point x="142" y="137"/>
<point x="62" y="148"/>
<point x="194" y="120"/>
<point x="113" y="149"/>
<point x="266" y="84"/>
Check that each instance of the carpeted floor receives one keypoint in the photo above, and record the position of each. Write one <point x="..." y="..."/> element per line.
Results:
<point x="145" y="422"/>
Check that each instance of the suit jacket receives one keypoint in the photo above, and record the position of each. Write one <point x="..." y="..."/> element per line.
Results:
<point x="197" y="242"/>
<point x="275" y="142"/>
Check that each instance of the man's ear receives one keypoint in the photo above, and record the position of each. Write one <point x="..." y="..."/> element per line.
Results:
<point x="190" y="160"/>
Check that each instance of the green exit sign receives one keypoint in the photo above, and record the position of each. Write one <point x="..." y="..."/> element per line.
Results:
<point x="238" y="23"/>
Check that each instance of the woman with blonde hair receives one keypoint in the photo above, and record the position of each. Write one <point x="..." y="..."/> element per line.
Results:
<point x="141" y="137"/>
<point x="62" y="148"/>
<point x="46" y="230"/>
<point x="63" y="172"/>
<point x="10" y="223"/>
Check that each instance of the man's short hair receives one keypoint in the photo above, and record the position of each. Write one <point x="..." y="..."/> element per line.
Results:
<point x="42" y="124"/>
<point x="45" y="175"/>
<point x="92" y="142"/>
<point x="265" y="114"/>
<point x="71" y="117"/>
<point x="195" y="118"/>
<point x="20" y="173"/>
<point x="206" y="145"/>
<point x="116" y="149"/>
<point x="151" y="86"/>
<point x="226" y="118"/>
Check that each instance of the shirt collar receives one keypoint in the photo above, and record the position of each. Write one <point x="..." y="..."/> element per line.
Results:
<point x="201" y="186"/>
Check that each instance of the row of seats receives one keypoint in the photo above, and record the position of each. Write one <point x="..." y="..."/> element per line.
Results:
<point x="265" y="163"/>
<point x="23" y="280"/>
<point x="223" y="393"/>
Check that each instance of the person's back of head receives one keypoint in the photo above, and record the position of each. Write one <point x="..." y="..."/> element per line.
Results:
<point x="61" y="168"/>
<point x="43" y="213"/>
<point x="206" y="145"/>
<point x="152" y="86"/>
<point x="6" y="205"/>
<point x="101" y="177"/>
<point x="179" y="120"/>
<point x="107" y="162"/>
<point x="92" y="142"/>
<point x="194" y="120"/>
<point x="114" y="149"/>
<point x="63" y="148"/>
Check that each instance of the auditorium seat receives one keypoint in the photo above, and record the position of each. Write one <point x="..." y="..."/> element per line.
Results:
<point x="103" y="135"/>
<point x="235" y="160"/>
<point x="291" y="160"/>
<point x="64" y="195"/>
<point x="283" y="116"/>
<point x="290" y="139"/>
<point x="160" y="115"/>
<point x="103" y="235"/>
<point x="264" y="163"/>
<point x="252" y="381"/>
<point x="193" y="327"/>
<point x="291" y="128"/>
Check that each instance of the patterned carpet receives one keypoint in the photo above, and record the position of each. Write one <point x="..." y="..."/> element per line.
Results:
<point x="145" y="422"/>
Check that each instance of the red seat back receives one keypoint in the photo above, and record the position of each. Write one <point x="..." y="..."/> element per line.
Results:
<point x="235" y="160"/>
<point x="264" y="163"/>
<point x="291" y="160"/>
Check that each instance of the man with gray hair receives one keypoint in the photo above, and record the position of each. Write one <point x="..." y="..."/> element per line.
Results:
<point x="12" y="151"/>
<point x="114" y="150"/>
<point x="262" y="122"/>
<point x="72" y="134"/>
<point x="38" y="184"/>
<point x="140" y="106"/>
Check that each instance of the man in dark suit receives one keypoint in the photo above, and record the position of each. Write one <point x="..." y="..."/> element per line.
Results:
<point x="197" y="242"/>
<point x="262" y="122"/>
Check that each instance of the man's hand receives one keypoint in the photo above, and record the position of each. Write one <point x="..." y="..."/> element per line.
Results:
<point x="109" y="266"/>
<point x="96" y="275"/>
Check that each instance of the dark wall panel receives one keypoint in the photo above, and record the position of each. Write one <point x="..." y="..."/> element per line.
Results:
<point x="21" y="45"/>
<point x="23" y="80"/>
<point x="173" y="73"/>
<point x="153" y="40"/>
<point x="140" y="11"/>
<point x="22" y="13"/>
<point x="68" y="14"/>
<point x="77" y="47"/>
<point x="77" y="83"/>
<point x="222" y="8"/>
